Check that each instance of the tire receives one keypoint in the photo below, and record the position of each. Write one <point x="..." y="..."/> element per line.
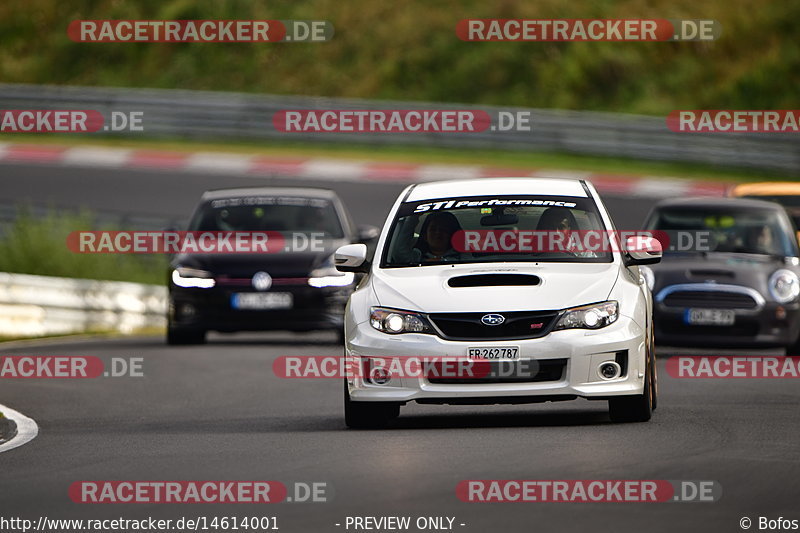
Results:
<point x="177" y="336"/>
<point x="634" y="408"/>
<point x="653" y="374"/>
<point x="368" y="415"/>
<point x="793" y="349"/>
<point x="340" y="336"/>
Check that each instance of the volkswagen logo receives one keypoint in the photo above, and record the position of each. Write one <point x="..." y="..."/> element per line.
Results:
<point x="493" y="319"/>
<point x="262" y="281"/>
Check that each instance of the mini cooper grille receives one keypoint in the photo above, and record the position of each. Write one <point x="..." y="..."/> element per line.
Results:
<point x="507" y="372"/>
<point x="517" y="325"/>
<point x="710" y="299"/>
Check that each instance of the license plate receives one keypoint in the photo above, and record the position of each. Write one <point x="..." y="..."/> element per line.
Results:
<point x="710" y="317"/>
<point x="493" y="353"/>
<point x="261" y="300"/>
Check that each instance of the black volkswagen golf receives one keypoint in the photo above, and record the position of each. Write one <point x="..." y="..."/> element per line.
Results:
<point x="294" y="288"/>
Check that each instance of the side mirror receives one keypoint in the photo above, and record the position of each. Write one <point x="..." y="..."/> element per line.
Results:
<point x="351" y="258"/>
<point x="642" y="250"/>
<point x="367" y="233"/>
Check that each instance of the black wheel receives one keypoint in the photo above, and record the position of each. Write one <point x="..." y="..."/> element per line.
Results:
<point x="368" y="415"/>
<point x="793" y="349"/>
<point x="178" y="336"/>
<point x="634" y="408"/>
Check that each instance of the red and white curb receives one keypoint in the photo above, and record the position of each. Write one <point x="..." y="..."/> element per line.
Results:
<point x="27" y="429"/>
<point x="335" y="169"/>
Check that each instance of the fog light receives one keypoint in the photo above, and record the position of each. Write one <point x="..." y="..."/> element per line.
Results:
<point x="187" y="310"/>
<point x="379" y="376"/>
<point x="609" y="370"/>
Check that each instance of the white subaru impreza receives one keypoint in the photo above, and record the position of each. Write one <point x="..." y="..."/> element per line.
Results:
<point x="490" y="288"/>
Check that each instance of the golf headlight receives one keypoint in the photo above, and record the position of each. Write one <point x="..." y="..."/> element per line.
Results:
<point x="192" y="277"/>
<point x="649" y="277"/>
<point x="394" y="321"/>
<point x="593" y="316"/>
<point x="784" y="286"/>
<point x="328" y="276"/>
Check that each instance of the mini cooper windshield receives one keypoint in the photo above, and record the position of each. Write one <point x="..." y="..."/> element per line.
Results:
<point x="731" y="230"/>
<point x="490" y="229"/>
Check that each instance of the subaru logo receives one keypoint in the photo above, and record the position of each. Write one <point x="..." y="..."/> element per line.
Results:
<point x="493" y="319"/>
<point x="262" y="281"/>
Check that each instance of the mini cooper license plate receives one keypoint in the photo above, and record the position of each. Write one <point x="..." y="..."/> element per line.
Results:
<point x="493" y="353"/>
<point x="710" y="317"/>
<point x="261" y="300"/>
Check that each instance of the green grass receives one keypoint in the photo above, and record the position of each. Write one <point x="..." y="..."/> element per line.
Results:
<point x="425" y="155"/>
<point x="409" y="51"/>
<point x="38" y="245"/>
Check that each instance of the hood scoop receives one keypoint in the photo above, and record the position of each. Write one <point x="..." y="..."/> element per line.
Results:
<point x="494" y="280"/>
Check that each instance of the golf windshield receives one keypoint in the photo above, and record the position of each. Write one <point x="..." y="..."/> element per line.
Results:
<point x="266" y="213"/>
<point x="490" y="229"/>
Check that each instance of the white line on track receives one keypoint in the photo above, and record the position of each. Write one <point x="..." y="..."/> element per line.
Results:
<point x="27" y="429"/>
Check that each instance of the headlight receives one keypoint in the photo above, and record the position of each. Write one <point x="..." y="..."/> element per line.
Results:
<point x="328" y="276"/>
<point x="593" y="316"/>
<point x="649" y="277"/>
<point x="393" y="321"/>
<point x="192" y="277"/>
<point x="784" y="285"/>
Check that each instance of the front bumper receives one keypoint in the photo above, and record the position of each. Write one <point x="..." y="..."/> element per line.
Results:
<point x="211" y="309"/>
<point x="583" y="350"/>
<point x="755" y="328"/>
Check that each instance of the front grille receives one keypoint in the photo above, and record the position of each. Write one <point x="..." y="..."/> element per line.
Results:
<point x="523" y="371"/>
<point x="517" y="325"/>
<point x="710" y="299"/>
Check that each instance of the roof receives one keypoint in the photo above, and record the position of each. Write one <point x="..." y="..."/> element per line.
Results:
<point x="767" y="188"/>
<point x="497" y="186"/>
<point x="244" y="192"/>
<point x="719" y="202"/>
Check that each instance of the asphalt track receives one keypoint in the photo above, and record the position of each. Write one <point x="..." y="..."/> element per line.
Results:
<point x="217" y="412"/>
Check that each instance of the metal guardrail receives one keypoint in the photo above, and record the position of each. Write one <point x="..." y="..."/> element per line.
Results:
<point x="44" y="305"/>
<point x="217" y="115"/>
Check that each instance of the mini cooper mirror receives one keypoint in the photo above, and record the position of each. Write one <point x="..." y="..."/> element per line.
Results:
<point x="642" y="250"/>
<point x="351" y="258"/>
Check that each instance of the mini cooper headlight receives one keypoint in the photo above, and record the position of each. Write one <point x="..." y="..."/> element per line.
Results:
<point x="192" y="277"/>
<point x="393" y="321"/>
<point x="593" y="316"/>
<point x="784" y="285"/>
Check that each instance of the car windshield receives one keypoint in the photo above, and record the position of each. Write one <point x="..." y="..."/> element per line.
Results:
<point x="268" y="213"/>
<point x="784" y="200"/>
<point x="489" y="229"/>
<point x="749" y="231"/>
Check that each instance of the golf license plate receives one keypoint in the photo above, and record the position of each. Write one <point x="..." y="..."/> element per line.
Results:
<point x="710" y="317"/>
<point x="262" y="300"/>
<point x="493" y="353"/>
